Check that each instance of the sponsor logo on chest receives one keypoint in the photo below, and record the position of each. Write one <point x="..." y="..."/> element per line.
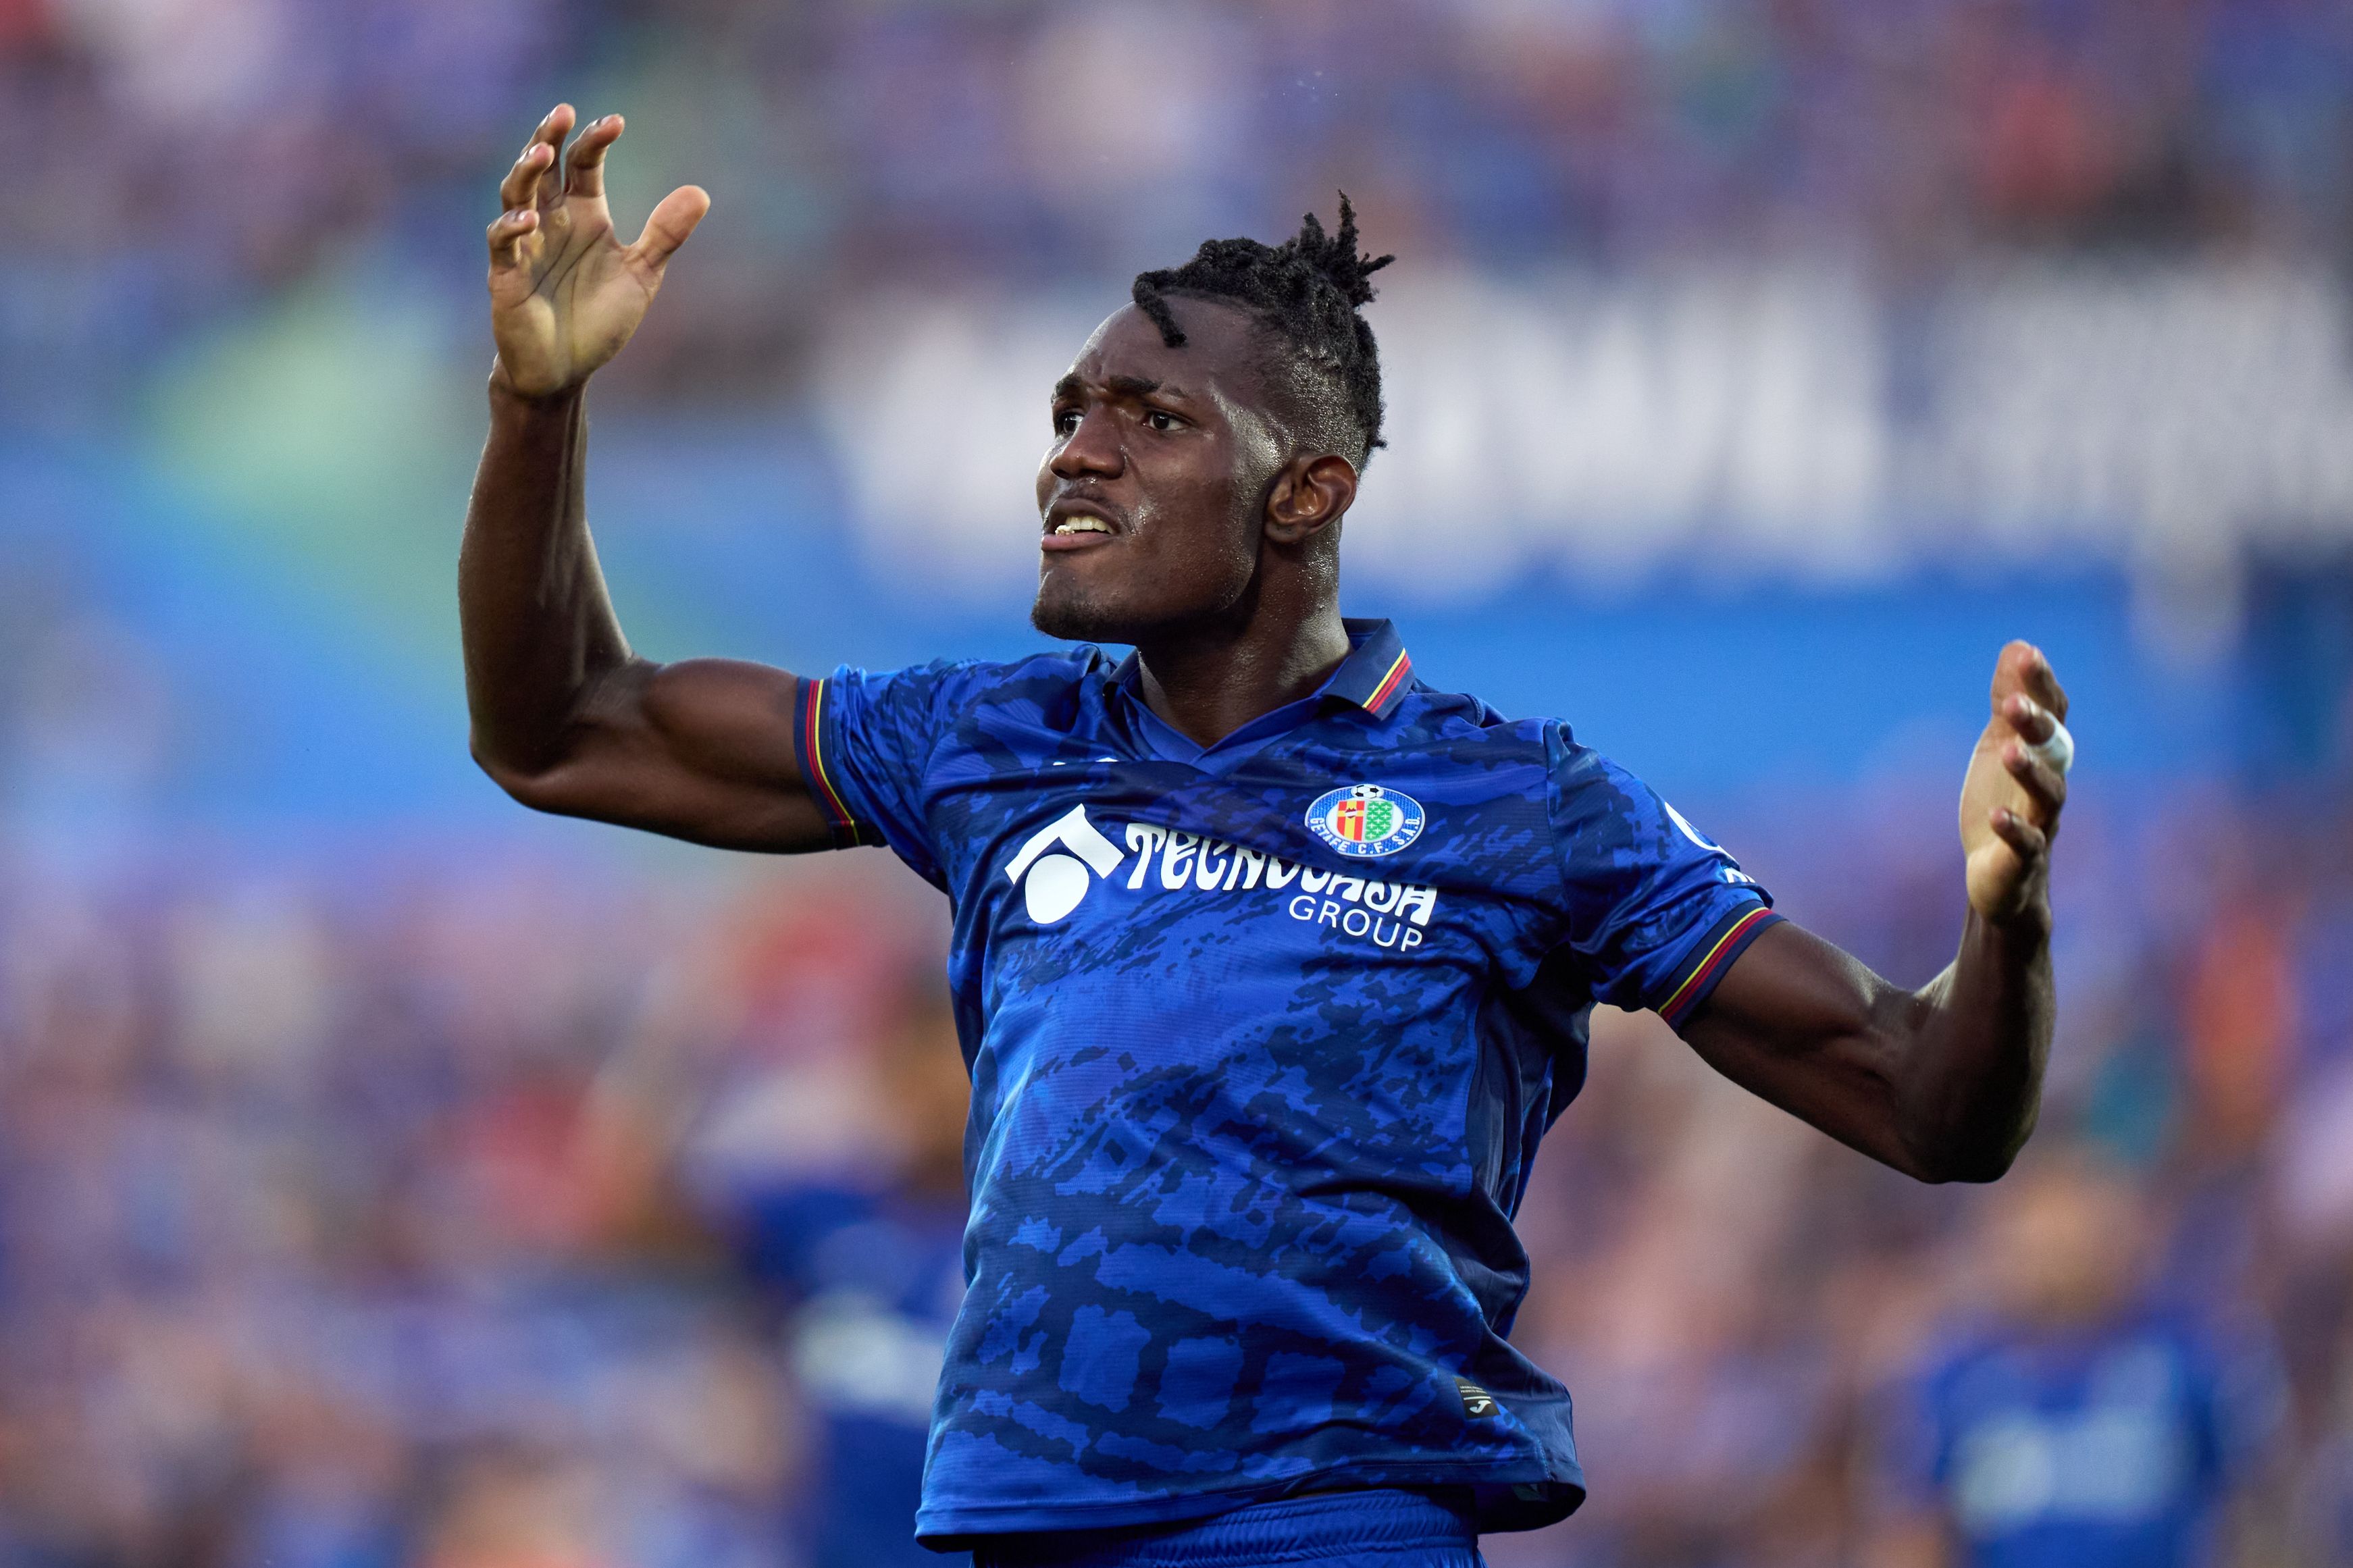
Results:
<point x="1063" y="862"/>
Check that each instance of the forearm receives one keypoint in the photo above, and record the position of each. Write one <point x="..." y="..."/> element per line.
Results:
<point x="539" y="628"/>
<point x="1941" y="1083"/>
<point x="1967" y="1052"/>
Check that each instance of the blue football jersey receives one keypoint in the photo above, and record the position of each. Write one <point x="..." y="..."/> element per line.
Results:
<point x="875" y="1279"/>
<point x="1263" y="1036"/>
<point x="2110" y="1448"/>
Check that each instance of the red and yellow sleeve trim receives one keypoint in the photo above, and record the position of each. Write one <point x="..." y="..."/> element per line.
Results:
<point x="809" y="733"/>
<point x="1712" y="958"/>
<point x="1390" y="682"/>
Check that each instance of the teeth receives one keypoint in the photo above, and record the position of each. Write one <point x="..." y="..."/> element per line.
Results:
<point x="1082" y="525"/>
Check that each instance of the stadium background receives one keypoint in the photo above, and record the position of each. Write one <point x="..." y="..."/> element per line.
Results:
<point x="1758" y="368"/>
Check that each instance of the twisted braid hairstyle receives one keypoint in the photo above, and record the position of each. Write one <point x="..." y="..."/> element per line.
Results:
<point x="1321" y="362"/>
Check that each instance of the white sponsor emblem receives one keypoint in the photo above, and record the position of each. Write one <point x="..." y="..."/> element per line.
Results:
<point x="1061" y="863"/>
<point x="1057" y="882"/>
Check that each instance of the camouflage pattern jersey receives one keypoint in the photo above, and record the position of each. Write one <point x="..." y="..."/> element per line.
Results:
<point x="1263" y="1037"/>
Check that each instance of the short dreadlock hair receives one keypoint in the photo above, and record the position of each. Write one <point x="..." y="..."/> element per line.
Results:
<point x="1306" y="292"/>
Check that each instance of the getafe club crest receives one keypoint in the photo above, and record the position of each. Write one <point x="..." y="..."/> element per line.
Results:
<point x="1366" y="819"/>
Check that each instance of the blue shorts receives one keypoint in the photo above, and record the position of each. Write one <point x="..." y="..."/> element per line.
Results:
<point x="1330" y="1530"/>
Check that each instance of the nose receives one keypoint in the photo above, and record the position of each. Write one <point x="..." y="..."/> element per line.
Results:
<point x="1093" y="450"/>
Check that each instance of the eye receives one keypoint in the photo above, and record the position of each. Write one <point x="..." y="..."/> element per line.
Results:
<point x="1065" y="421"/>
<point x="1161" y="420"/>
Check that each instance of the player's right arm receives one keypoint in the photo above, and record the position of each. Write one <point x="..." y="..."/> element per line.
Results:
<point x="565" y="717"/>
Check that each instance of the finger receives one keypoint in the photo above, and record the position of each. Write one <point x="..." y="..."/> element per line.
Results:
<point x="2010" y="667"/>
<point x="507" y="233"/>
<point x="584" y="167"/>
<point x="2043" y="784"/>
<point x="2041" y="681"/>
<point x="668" y="226"/>
<point x="2030" y="719"/>
<point x="550" y="134"/>
<point x="556" y="126"/>
<point x="2030" y="841"/>
<point x="521" y="187"/>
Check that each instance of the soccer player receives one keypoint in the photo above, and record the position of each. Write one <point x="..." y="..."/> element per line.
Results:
<point x="1272" y="964"/>
<point x="2080" y="1421"/>
<point x="860" y="1249"/>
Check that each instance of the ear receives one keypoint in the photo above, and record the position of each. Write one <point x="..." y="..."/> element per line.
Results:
<point x="1309" y="495"/>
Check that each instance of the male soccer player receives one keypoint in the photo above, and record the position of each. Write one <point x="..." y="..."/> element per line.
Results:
<point x="2080" y="1420"/>
<point x="1272" y="964"/>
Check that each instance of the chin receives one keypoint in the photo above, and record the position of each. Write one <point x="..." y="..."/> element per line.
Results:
<point x="1076" y="617"/>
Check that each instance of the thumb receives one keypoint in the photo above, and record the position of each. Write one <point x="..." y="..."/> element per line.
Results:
<point x="666" y="228"/>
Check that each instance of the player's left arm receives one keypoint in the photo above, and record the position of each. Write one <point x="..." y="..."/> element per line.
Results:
<point x="1942" y="1083"/>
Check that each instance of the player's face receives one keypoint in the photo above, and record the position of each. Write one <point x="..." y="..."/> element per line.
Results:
<point x="1153" y="493"/>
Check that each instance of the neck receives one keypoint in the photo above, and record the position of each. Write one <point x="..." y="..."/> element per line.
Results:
<point x="1208" y="682"/>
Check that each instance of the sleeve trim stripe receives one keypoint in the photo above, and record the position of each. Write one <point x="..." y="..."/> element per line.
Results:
<point x="1390" y="682"/>
<point x="1721" y="951"/>
<point x="813" y="758"/>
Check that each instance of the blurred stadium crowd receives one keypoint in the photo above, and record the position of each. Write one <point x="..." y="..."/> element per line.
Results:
<point x="342" y="1225"/>
<point x="172" y="159"/>
<point x="503" y="1215"/>
<point x="420" y="1202"/>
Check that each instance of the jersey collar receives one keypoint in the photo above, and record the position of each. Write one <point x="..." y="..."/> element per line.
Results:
<point x="1374" y="676"/>
<point x="1376" y="671"/>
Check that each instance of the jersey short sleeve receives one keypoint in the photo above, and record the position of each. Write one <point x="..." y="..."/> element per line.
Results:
<point x="1656" y="911"/>
<point x="867" y="740"/>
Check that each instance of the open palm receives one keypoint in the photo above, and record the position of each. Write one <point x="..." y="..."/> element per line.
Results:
<point x="565" y="293"/>
<point x="2012" y="798"/>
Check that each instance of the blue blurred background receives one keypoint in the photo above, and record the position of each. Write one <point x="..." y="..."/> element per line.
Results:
<point x="387" y="1176"/>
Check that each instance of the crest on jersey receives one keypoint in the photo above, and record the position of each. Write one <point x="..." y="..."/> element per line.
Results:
<point x="1366" y="819"/>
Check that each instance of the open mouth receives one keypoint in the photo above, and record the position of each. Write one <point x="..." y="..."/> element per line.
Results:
<point x="1076" y="525"/>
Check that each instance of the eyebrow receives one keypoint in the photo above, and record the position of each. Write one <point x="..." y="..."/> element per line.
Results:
<point x="1072" y="385"/>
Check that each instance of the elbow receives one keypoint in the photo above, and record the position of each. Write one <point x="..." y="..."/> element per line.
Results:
<point x="524" y="786"/>
<point x="1974" y="1161"/>
<point x="1975" y="1169"/>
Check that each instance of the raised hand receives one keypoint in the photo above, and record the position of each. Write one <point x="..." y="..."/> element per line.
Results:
<point x="2012" y="798"/>
<point x="565" y="293"/>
